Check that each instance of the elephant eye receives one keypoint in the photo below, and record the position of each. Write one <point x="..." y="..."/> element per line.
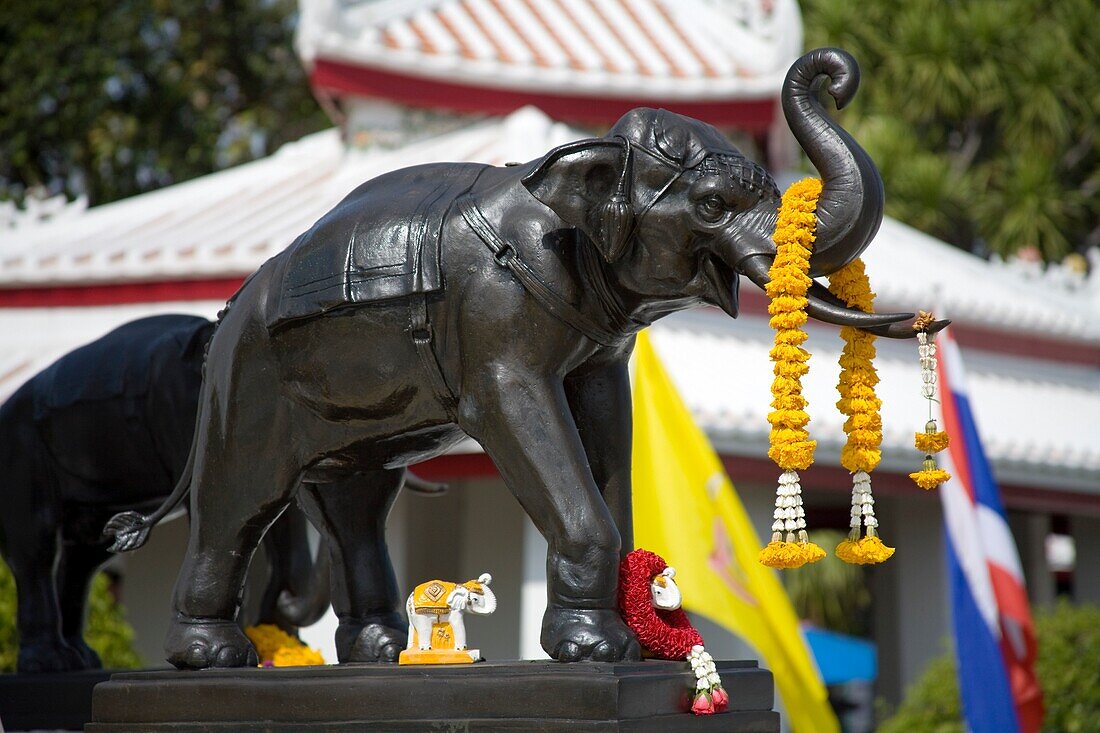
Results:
<point x="711" y="208"/>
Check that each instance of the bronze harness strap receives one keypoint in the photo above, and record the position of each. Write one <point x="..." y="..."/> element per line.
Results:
<point x="506" y="256"/>
<point x="421" y="332"/>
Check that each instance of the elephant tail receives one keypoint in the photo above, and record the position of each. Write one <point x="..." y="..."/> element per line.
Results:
<point x="131" y="529"/>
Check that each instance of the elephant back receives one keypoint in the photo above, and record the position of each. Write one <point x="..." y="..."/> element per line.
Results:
<point x="431" y="597"/>
<point x="117" y="365"/>
<point x="380" y="243"/>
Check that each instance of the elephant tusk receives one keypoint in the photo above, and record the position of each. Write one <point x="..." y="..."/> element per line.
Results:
<point x="896" y="330"/>
<point x="827" y="310"/>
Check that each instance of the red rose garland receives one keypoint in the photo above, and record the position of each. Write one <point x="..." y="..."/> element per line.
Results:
<point x="666" y="634"/>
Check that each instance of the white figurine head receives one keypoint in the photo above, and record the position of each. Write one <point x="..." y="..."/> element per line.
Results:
<point x="474" y="596"/>
<point x="665" y="592"/>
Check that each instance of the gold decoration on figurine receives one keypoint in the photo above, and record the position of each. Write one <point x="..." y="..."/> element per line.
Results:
<point x="437" y="628"/>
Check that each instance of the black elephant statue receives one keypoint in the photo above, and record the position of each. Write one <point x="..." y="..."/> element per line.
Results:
<point x="458" y="299"/>
<point x="104" y="428"/>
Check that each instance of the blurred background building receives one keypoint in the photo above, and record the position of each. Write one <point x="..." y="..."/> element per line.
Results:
<point x="415" y="81"/>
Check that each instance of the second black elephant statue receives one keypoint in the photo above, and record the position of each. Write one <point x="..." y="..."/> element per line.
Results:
<point x="453" y="299"/>
<point x="107" y="427"/>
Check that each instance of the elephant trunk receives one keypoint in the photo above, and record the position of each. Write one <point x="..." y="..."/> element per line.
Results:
<point x="490" y="601"/>
<point x="849" y="210"/>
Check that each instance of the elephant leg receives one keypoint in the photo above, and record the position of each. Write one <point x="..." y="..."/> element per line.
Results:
<point x="458" y="628"/>
<point x="600" y="400"/>
<point x="30" y="543"/>
<point x="79" y="563"/>
<point x="525" y="424"/>
<point x="423" y="624"/>
<point x="352" y="515"/>
<point x="33" y="559"/>
<point x="234" y="500"/>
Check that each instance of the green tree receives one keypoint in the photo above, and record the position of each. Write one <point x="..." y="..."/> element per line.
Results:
<point x="980" y="113"/>
<point x="106" y="629"/>
<point x="111" y="98"/>
<point x="830" y="593"/>
<point x="1068" y="668"/>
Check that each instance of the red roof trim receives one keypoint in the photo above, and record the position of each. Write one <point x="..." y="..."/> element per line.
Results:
<point x="744" y="470"/>
<point x="61" y="296"/>
<point x="418" y="91"/>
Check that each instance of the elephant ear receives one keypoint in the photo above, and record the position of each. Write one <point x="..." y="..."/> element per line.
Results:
<point x="458" y="598"/>
<point x="587" y="184"/>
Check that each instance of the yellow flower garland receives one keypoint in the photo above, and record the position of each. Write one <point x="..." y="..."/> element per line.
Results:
<point x="858" y="401"/>
<point x="932" y="440"/>
<point x="791" y="449"/>
<point x="790" y="446"/>
<point x="280" y="649"/>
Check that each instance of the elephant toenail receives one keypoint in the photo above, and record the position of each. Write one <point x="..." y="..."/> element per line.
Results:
<point x="227" y="657"/>
<point x="569" y="652"/>
<point x="196" y="656"/>
<point x="603" y="653"/>
<point x="390" y="652"/>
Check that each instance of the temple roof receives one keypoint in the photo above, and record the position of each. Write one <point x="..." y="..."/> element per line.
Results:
<point x="723" y="60"/>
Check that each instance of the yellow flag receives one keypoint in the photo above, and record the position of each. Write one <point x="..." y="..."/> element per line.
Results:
<point x="686" y="510"/>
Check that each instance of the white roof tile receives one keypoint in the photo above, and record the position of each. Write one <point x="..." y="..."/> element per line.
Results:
<point x="669" y="49"/>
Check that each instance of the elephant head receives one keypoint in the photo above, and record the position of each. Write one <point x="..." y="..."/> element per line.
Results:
<point x="474" y="596"/>
<point x="677" y="212"/>
<point x="665" y="592"/>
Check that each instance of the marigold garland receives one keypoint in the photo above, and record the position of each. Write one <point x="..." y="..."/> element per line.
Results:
<point x="861" y="453"/>
<point x="932" y="440"/>
<point x="790" y="446"/>
<point x="276" y="648"/>
<point x="930" y="478"/>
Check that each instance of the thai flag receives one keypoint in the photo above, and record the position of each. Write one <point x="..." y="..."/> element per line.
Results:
<point x="994" y="636"/>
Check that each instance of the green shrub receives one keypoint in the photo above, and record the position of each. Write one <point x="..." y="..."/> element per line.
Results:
<point x="106" y="630"/>
<point x="1068" y="669"/>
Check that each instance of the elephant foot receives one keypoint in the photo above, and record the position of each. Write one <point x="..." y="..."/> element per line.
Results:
<point x="87" y="654"/>
<point x="48" y="656"/>
<point x="599" y="635"/>
<point x="378" y="638"/>
<point x="195" y="643"/>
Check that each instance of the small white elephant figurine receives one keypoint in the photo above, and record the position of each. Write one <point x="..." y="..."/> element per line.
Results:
<point x="665" y="592"/>
<point x="440" y="602"/>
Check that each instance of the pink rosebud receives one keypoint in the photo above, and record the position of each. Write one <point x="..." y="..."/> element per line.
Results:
<point x="267" y="663"/>
<point x="703" y="705"/>
<point x="721" y="699"/>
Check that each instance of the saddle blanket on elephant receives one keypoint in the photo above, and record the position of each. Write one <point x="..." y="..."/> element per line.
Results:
<point x="379" y="243"/>
<point x="432" y="597"/>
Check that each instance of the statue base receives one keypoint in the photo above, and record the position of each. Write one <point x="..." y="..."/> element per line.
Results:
<point x="439" y="656"/>
<point x="48" y="701"/>
<point x="642" y="697"/>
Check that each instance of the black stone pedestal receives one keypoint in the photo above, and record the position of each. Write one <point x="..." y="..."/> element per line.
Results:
<point x="646" y="697"/>
<point x="61" y="701"/>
